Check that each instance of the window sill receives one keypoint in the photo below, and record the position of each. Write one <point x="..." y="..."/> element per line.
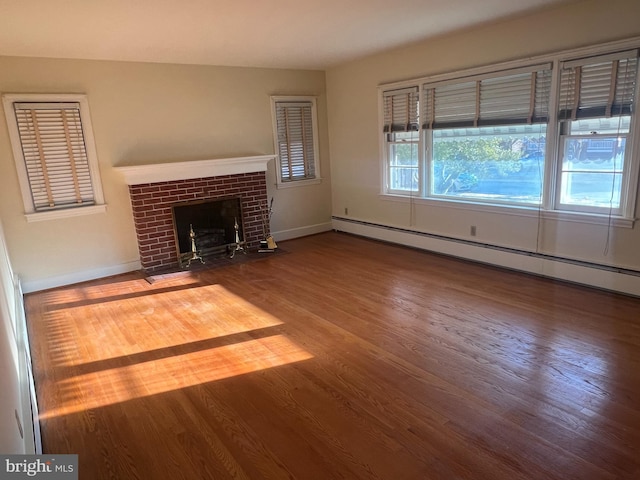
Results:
<point x="65" y="213"/>
<point x="520" y="211"/>
<point x="299" y="183"/>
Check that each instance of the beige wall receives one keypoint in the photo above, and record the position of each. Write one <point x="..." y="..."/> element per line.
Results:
<point x="150" y="113"/>
<point x="353" y="129"/>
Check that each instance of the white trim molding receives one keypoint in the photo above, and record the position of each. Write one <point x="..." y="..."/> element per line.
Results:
<point x="65" y="213"/>
<point x="302" y="231"/>
<point x="166" y="172"/>
<point x="29" y="286"/>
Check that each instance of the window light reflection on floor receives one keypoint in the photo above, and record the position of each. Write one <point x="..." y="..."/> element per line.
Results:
<point x="106" y="387"/>
<point x="154" y="347"/>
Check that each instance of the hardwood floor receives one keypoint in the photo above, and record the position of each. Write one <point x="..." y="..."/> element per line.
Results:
<point x="341" y="358"/>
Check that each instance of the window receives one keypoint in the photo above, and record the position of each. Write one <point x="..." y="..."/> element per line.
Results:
<point x="592" y="164"/>
<point x="556" y="135"/>
<point x="54" y="153"/>
<point x="295" y="138"/>
<point x="596" y="101"/>
<point x="404" y="169"/>
<point x="494" y="164"/>
<point x="400" y="128"/>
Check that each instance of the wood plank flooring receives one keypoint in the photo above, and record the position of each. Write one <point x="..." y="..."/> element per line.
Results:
<point x="342" y="358"/>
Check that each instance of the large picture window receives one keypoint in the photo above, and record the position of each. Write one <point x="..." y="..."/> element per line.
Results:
<point x="555" y="136"/>
<point x="497" y="164"/>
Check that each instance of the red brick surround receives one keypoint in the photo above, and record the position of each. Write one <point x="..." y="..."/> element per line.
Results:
<point x="152" y="202"/>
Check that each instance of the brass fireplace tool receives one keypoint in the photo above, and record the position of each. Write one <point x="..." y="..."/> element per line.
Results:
<point x="268" y="244"/>
<point x="194" y="251"/>
<point x="239" y="247"/>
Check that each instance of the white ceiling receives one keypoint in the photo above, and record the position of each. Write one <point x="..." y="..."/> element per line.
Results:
<point x="313" y="34"/>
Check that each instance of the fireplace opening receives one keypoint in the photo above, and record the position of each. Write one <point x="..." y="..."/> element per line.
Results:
<point x="206" y="228"/>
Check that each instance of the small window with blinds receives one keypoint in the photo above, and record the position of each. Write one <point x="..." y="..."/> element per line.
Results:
<point x="295" y="138"/>
<point x="54" y="154"/>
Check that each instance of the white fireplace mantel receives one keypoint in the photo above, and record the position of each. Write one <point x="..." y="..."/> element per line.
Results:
<point x="166" y="172"/>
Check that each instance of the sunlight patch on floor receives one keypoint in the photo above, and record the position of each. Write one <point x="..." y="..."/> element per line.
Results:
<point x="106" y="387"/>
<point x="77" y="335"/>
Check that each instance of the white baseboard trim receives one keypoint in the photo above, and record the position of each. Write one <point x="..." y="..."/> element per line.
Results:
<point x="302" y="231"/>
<point x="600" y="276"/>
<point x="29" y="286"/>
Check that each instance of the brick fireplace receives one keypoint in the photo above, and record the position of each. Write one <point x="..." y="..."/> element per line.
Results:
<point x="155" y="188"/>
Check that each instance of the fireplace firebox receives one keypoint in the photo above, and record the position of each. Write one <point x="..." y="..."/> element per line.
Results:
<point x="207" y="228"/>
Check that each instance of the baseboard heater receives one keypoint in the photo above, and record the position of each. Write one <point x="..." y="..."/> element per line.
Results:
<point x="394" y="234"/>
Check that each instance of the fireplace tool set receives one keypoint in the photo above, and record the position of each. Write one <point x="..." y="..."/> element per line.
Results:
<point x="268" y="244"/>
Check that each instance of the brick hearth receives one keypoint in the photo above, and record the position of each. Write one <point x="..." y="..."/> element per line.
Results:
<point x="152" y="202"/>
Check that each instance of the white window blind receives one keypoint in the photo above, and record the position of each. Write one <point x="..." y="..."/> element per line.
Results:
<point x="55" y="155"/>
<point x="401" y="110"/>
<point x="295" y="140"/>
<point x="601" y="86"/>
<point x="513" y="97"/>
